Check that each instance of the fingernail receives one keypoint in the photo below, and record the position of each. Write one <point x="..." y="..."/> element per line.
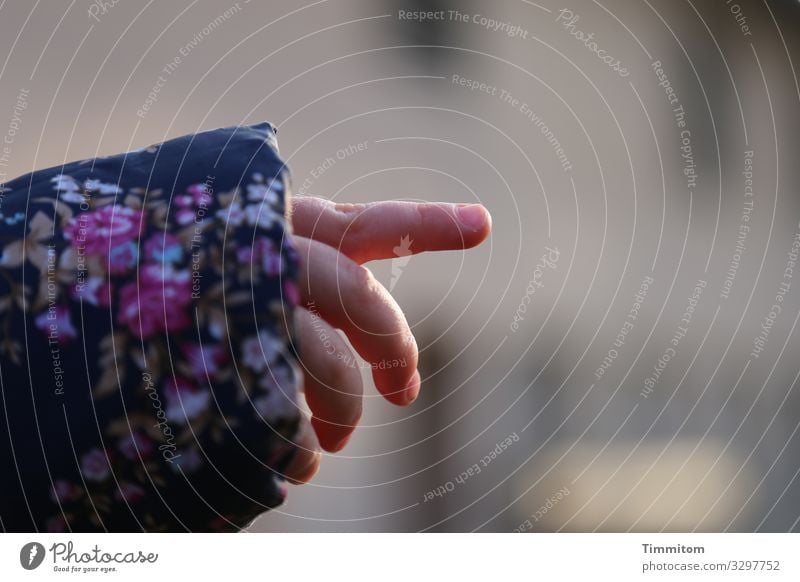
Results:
<point x="472" y="216"/>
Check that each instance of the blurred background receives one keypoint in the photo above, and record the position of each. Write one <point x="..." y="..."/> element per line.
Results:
<point x="612" y="359"/>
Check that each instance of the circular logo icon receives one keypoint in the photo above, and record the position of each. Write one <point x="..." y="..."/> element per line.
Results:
<point x="31" y="555"/>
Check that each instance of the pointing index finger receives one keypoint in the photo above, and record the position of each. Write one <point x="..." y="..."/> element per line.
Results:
<point x="384" y="230"/>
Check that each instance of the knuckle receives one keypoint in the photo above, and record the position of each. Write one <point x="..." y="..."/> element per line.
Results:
<point x="352" y="231"/>
<point x="365" y="285"/>
<point x="341" y="377"/>
<point x="349" y="210"/>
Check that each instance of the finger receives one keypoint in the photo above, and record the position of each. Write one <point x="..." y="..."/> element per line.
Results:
<point x="347" y="296"/>
<point x="305" y="463"/>
<point x="332" y="380"/>
<point x="381" y="230"/>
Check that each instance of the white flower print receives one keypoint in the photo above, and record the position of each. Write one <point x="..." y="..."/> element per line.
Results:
<point x="261" y="215"/>
<point x="258" y="352"/>
<point x="93" y="185"/>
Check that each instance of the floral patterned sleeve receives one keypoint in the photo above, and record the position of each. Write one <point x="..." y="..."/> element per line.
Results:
<point x="147" y="380"/>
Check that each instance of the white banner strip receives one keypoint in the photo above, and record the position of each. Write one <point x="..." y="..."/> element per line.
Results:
<point x="377" y="557"/>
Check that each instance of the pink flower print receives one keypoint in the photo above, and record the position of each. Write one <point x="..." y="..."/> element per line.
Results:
<point x="291" y="293"/>
<point x="183" y="201"/>
<point x="184" y="400"/>
<point x="104" y="228"/>
<point x="64" y="491"/>
<point x="184" y="216"/>
<point x="204" y="360"/>
<point x="270" y="257"/>
<point x="272" y="262"/>
<point x="188" y="204"/>
<point x="129" y="492"/>
<point x="158" y="304"/>
<point x="135" y="445"/>
<point x="200" y="194"/>
<point x="56" y="524"/>
<point x="246" y="255"/>
<point x="264" y="252"/>
<point x="94" y="465"/>
<point x="55" y="322"/>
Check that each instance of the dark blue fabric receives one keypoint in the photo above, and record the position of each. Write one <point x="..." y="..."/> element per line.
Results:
<point x="127" y="404"/>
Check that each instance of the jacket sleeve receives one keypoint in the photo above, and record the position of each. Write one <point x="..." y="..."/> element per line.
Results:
<point x="147" y="380"/>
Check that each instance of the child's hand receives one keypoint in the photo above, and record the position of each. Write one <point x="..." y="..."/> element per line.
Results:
<point x="333" y="241"/>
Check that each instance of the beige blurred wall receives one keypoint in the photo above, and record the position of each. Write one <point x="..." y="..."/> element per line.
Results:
<point x="336" y="73"/>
